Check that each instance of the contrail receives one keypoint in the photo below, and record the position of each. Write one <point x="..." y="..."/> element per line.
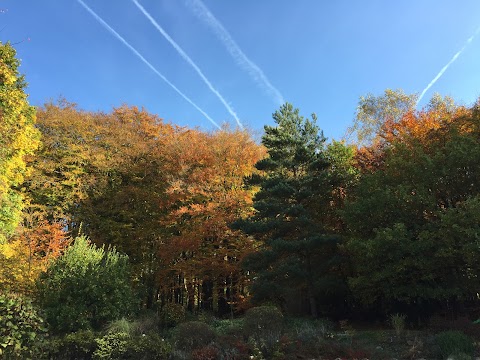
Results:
<point x="448" y="65"/>
<point x="204" y="14"/>
<point x="132" y="49"/>
<point x="189" y="60"/>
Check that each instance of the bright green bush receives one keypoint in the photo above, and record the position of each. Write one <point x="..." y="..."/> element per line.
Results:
<point x="20" y="327"/>
<point x="111" y="346"/>
<point x="85" y="288"/>
<point x="119" y="346"/>
<point x="264" y="325"/>
<point x="454" y="343"/>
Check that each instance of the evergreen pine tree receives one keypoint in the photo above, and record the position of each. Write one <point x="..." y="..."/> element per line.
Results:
<point x="297" y="254"/>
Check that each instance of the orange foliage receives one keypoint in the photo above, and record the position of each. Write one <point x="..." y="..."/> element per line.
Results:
<point x="414" y="128"/>
<point x="24" y="258"/>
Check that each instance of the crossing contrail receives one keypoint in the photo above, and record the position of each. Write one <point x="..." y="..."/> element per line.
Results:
<point x="189" y="60"/>
<point x="145" y="61"/>
<point x="204" y="14"/>
<point x="452" y="60"/>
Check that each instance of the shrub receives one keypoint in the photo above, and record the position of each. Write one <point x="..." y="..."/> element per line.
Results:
<point x="118" y="346"/>
<point x="193" y="335"/>
<point x="78" y="345"/>
<point x="20" y="327"/>
<point x="111" y="346"/>
<point x="147" y="347"/>
<point x="172" y="314"/>
<point x="454" y="343"/>
<point x="233" y="347"/>
<point x="208" y="352"/>
<point x="232" y="327"/>
<point x="86" y="287"/>
<point x="264" y="324"/>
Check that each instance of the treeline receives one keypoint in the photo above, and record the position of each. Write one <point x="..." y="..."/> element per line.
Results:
<point x="217" y="222"/>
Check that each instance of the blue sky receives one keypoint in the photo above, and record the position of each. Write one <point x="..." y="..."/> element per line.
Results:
<point x="319" y="55"/>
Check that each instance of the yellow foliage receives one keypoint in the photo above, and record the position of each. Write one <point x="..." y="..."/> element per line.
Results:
<point x="18" y="139"/>
<point x="18" y="269"/>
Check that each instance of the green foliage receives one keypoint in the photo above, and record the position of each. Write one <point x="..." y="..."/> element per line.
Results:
<point x="454" y="343"/>
<point x="172" y="314"/>
<point x="192" y="335"/>
<point x="111" y="346"/>
<point x="88" y="345"/>
<point x="232" y="327"/>
<point x="86" y="288"/>
<point x="18" y="139"/>
<point x="264" y="324"/>
<point x="423" y="199"/>
<point x="146" y="347"/>
<point x="77" y="345"/>
<point x="20" y="327"/>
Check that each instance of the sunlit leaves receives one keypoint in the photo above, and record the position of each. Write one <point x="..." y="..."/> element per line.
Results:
<point x="18" y="138"/>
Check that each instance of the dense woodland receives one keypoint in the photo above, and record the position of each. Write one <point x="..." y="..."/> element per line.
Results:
<point x="108" y="215"/>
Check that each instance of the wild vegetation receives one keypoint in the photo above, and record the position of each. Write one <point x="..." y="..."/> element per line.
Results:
<point x="125" y="237"/>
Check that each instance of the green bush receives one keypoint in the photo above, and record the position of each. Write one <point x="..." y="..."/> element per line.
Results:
<point x="85" y="288"/>
<point x="264" y="325"/>
<point x="172" y="314"/>
<point x="147" y="347"/>
<point x="454" y="343"/>
<point x="78" y="345"/>
<point x="86" y="345"/>
<point x="111" y="346"/>
<point x="193" y="335"/>
<point x="21" y="328"/>
<point x="232" y="327"/>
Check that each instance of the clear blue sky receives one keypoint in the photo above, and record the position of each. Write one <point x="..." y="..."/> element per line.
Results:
<point x="319" y="55"/>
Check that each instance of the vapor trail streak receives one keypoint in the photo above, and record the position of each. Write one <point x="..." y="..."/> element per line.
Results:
<point x="439" y="75"/>
<point x="204" y="14"/>
<point x="132" y="49"/>
<point x="188" y="60"/>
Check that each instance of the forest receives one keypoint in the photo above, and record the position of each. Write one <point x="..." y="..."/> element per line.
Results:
<point x="123" y="236"/>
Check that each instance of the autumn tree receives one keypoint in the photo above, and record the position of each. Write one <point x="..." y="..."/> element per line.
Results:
<point x="129" y="197"/>
<point x="65" y="166"/>
<point x="27" y="255"/>
<point x="298" y="254"/>
<point x="422" y="200"/>
<point x="373" y="111"/>
<point x="159" y="193"/>
<point x="18" y="138"/>
<point x="207" y="194"/>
